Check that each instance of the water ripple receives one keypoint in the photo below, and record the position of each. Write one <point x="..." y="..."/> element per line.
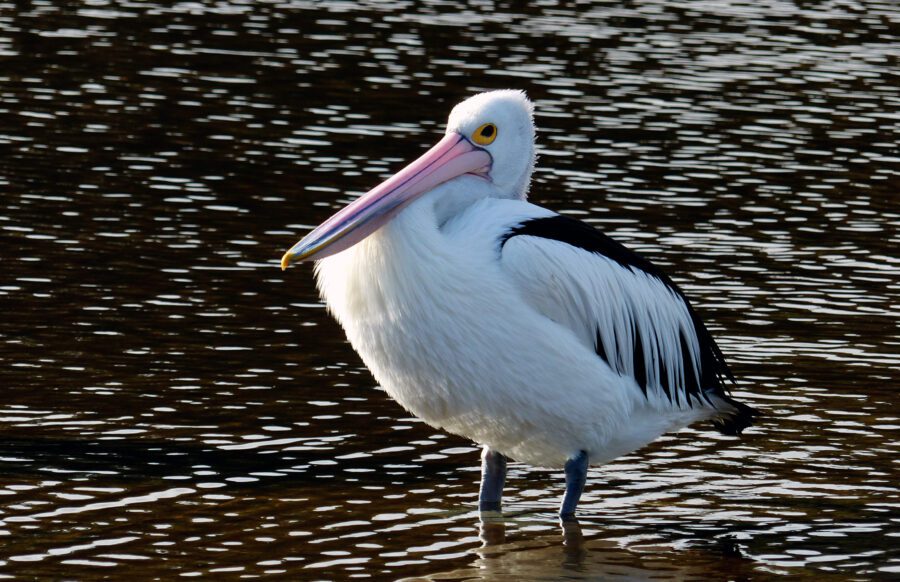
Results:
<point x="188" y="409"/>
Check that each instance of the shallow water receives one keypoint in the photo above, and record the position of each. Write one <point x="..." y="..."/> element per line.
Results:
<point x="175" y="405"/>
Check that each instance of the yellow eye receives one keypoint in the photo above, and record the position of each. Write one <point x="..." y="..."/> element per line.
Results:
<point x="485" y="135"/>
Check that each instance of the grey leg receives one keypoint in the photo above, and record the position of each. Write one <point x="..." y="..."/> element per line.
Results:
<point x="576" y="475"/>
<point x="493" y="475"/>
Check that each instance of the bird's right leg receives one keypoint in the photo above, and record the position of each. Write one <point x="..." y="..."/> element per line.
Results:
<point x="576" y="475"/>
<point x="493" y="475"/>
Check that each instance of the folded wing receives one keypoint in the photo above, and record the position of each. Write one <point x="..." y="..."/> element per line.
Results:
<point x="619" y="304"/>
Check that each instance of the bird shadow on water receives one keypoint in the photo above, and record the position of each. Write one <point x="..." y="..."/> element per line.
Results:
<point x="148" y="460"/>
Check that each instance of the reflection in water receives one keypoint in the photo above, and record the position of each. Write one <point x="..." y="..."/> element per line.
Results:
<point x="175" y="405"/>
<point x="570" y="554"/>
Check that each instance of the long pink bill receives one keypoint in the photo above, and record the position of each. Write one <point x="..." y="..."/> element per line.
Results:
<point x="453" y="156"/>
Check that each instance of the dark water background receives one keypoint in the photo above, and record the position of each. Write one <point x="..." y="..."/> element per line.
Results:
<point x="175" y="405"/>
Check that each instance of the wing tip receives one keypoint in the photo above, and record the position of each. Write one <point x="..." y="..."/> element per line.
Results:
<point x="740" y="416"/>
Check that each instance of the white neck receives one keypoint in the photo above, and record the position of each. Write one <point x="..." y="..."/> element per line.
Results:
<point x="378" y="275"/>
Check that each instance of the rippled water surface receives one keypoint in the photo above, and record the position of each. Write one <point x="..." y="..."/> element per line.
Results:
<point x="175" y="405"/>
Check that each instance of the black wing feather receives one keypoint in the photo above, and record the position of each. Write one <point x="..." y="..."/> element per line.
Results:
<point x="709" y="379"/>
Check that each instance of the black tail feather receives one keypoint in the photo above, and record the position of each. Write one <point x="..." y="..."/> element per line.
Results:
<point x="733" y="422"/>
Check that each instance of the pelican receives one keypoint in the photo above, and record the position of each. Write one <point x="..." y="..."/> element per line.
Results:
<point x="526" y="331"/>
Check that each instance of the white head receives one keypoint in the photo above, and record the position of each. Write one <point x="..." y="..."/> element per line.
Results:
<point x="489" y="138"/>
<point x="507" y="116"/>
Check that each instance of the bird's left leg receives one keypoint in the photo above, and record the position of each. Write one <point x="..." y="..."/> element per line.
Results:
<point x="493" y="475"/>
<point x="576" y="475"/>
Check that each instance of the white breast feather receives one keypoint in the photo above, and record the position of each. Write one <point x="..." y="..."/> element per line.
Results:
<point x="502" y="353"/>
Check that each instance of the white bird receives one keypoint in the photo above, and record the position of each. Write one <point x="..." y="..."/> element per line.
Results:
<point x="528" y="332"/>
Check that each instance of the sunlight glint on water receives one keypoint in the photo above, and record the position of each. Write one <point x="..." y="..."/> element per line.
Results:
<point x="177" y="406"/>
